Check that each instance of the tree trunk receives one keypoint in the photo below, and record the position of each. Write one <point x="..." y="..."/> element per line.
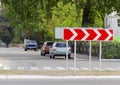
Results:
<point x="87" y="19"/>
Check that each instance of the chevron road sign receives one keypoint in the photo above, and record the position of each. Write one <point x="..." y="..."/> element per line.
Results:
<point x="88" y="34"/>
<point x="84" y="34"/>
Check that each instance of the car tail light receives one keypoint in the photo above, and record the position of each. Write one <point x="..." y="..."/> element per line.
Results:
<point x="46" y="47"/>
<point x="54" y="48"/>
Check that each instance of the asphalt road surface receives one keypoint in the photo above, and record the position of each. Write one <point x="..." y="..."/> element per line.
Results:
<point x="18" y="59"/>
<point x="72" y="81"/>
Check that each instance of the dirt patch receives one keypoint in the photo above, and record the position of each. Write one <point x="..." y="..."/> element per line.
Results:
<point x="61" y="73"/>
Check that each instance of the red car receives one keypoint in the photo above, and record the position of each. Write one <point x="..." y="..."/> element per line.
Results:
<point x="46" y="47"/>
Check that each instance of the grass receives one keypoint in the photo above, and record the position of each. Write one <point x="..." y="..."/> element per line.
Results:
<point x="61" y="73"/>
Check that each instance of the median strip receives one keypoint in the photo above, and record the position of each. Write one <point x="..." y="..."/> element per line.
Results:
<point x="61" y="73"/>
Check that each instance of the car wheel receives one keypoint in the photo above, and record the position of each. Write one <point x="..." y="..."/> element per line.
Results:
<point x="25" y="49"/>
<point x="69" y="57"/>
<point x="35" y="49"/>
<point x="41" y="54"/>
<point x="50" y="56"/>
<point x="53" y="56"/>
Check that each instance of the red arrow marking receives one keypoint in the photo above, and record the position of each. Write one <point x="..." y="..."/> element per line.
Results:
<point x="104" y="35"/>
<point x="111" y="33"/>
<point x="92" y="34"/>
<point x="67" y="34"/>
<point x="80" y="33"/>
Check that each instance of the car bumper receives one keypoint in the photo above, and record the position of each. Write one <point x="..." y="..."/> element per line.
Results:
<point x="61" y="53"/>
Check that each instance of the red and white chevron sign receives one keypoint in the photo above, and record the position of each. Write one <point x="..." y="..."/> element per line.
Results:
<point x="88" y="34"/>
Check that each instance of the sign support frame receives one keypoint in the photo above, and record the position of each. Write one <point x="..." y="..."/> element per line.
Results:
<point x="90" y="51"/>
<point x="100" y="56"/>
<point x="67" y="55"/>
<point x="75" y="57"/>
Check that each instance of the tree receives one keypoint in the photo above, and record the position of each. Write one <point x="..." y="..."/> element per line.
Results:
<point x="43" y="16"/>
<point x="98" y="8"/>
<point x="6" y="34"/>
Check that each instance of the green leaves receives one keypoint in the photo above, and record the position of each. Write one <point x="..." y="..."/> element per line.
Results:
<point x="38" y="15"/>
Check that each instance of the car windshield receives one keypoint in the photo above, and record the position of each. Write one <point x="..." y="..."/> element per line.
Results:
<point x="31" y="41"/>
<point x="49" y="43"/>
<point x="61" y="45"/>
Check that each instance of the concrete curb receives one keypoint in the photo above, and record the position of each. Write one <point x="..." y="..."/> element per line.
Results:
<point x="55" y="77"/>
<point x="111" y="60"/>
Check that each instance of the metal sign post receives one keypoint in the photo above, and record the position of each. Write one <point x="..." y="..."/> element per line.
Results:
<point x="100" y="54"/>
<point x="67" y="54"/>
<point x="90" y="55"/>
<point x="74" y="56"/>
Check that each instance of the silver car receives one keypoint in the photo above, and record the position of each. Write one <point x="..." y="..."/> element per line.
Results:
<point x="59" y="49"/>
<point x="30" y="44"/>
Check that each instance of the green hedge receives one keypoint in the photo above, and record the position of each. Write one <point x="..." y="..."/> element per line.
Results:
<point x="111" y="50"/>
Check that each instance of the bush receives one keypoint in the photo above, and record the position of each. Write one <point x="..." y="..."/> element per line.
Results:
<point x="111" y="50"/>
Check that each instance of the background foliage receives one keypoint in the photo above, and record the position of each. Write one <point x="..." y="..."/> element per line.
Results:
<point x="37" y="19"/>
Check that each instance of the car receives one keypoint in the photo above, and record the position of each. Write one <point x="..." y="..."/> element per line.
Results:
<point x="30" y="44"/>
<point x="2" y="44"/>
<point x="59" y="49"/>
<point x="46" y="47"/>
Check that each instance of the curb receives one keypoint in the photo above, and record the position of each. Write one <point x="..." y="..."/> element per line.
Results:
<point x="55" y="77"/>
<point x="110" y="60"/>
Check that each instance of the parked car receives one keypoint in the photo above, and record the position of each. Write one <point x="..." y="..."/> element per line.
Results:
<point x="30" y="44"/>
<point x="2" y="44"/>
<point x="46" y="47"/>
<point x="59" y="49"/>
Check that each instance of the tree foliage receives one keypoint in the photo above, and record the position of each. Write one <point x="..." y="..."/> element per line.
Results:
<point x="6" y="34"/>
<point x="38" y="18"/>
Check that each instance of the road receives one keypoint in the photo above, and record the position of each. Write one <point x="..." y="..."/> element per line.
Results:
<point x="18" y="59"/>
<point x="62" y="81"/>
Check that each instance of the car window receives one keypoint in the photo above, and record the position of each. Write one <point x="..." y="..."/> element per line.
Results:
<point x="50" y="43"/>
<point x="61" y="45"/>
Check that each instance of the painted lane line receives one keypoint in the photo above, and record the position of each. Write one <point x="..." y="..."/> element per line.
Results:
<point x="34" y="68"/>
<point x="6" y="68"/>
<point x="20" y="68"/>
<point x="110" y="69"/>
<point x="1" y="65"/>
<point x="84" y="68"/>
<point x="96" y="68"/>
<point x="60" y="68"/>
<point x="47" y="68"/>
<point x="72" y="68"/>
<point x="118" y="69"/>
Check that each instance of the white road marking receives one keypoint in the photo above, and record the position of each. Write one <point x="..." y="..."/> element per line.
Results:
<point x="6" y="68"/>
<point x="60" y="68"/>
<point x="96" y="68"/>
<point x="20" y="68"/>
<point x="34" y="68"/>
<point x="84" y="68"/>
<point x="109" y="69"/>
<point x="71" y="68"/>
<point x="47" y="68"/>
<point x="1" y="65"/>
<point x="118" y="68"/>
